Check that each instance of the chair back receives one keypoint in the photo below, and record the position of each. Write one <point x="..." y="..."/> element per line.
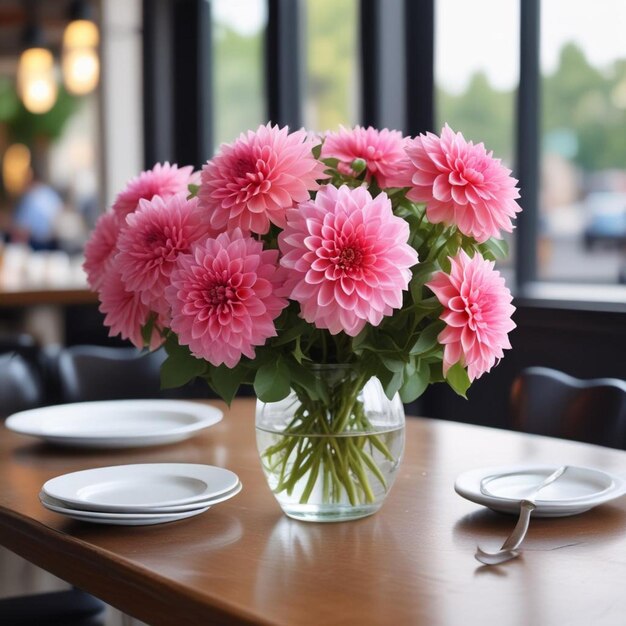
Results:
<point x="88" y="373"/>
<point x="21" y="387"/>
<point x="549" y="402"/>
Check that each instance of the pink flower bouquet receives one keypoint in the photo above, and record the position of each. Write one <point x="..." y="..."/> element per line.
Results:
<point x="289" y="251"/>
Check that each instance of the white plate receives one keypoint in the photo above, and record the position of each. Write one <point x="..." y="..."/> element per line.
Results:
<point x="126" y="510"/>
<point x="576" y="491"/>
<point x="132" y="521"/>
<point x="115" y="423"/>
<point x="58" y="507"/>
<point x="143" y="486"/>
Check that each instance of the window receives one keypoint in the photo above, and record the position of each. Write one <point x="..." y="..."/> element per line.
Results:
<point x="582" y="220"/>
<point x="332" y="65"/>
<point x="476" y="75"/>
<point x="238" y="33"/>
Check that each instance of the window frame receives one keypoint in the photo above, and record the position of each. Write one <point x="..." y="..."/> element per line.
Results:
<point x="180" y="129"/>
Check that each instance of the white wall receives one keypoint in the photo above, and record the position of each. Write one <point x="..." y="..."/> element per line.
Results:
<point x="121" y="93"/>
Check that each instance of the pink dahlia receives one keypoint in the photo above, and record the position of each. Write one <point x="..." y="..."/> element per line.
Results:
<point x="223" y="297"/>
<point x="101" y="248"/>
<point x="162" y="180"/>
<point x="349" y="258"/>
<point x="125" y="313"/>
<point x="462" y="184"/>
<point x="477" y="311"/>
<point x="252" y="181"/>
<point x="155" y="235"/>
<point x="382" y="151"/>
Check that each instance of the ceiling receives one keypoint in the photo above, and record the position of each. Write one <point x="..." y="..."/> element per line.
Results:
<point x="15" y="14"/>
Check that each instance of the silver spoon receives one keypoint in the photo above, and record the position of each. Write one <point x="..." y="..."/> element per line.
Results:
<point x="509" y="550"/>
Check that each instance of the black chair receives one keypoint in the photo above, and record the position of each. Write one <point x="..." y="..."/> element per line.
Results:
<point x="21" y="386"/>
<point x="19" y="343"/>
<point x="87" y="373"/>
<point x="548" y="402"/>
<point x="60" y="608"/>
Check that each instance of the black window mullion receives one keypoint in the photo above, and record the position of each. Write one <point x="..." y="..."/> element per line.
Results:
<point x="284" y="67"/>
<point x="157" y="81"/>
<point x="370" y="52"/>
<point x="527" y="146"/>
<point x="420" y="56"/>
<point x="192" y="87"/>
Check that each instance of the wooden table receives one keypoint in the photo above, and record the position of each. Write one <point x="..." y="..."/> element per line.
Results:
<point x="53" y="296"/>
<point x="412" y="563"/>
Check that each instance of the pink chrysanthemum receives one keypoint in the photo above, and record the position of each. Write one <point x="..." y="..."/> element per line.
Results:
<point x="382" y="151"/>
<point x="349" y="258"/>
<point x="252" y="181"/>
<point x="477" y="311"/>
<point x="125" y="313"/>
<point x="155" y="235"/>
<point x="162" y="180"/>
<point x="223" y="297"/>
<point x="101" y="248"/>
<point x="462" y="184"/>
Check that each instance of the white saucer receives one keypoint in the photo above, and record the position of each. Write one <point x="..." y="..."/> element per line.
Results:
<point x="141" y="487"/>
<point x="126" y="519"/>
<point x="115" y="423"/>
<point x="576" y="491"/>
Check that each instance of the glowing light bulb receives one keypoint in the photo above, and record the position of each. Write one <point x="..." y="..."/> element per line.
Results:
<point x="36" y="83"/>
<point x="16" y="168"/>
<point x="81" y="65"/>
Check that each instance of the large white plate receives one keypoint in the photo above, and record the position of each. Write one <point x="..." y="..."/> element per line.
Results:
<point x="58" y="507"/>
<point x="115" y="423"/>
<point x="576" y="491"/>
<point x="143" y="486"/>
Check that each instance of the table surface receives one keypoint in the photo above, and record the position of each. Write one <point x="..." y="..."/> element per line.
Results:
<point x="244" y="562"/>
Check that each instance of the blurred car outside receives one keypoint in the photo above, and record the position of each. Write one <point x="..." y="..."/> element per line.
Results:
<point x="606" y="219"/>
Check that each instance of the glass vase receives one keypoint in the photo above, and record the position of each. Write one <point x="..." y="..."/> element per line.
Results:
<point x="330" y="452"/>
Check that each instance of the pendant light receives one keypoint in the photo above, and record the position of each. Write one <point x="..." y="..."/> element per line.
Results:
<point x="80" y="61"/>
<point x="36" y="83"/>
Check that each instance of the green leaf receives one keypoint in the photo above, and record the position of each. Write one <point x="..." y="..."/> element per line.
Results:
<point x="427" y="338"/>
<point x="443" y="258"/>
<point x="147" y="329"/>
<point x="226" y="381"/>
<point x="498" y="248"/>
<point x="298" y="355"/>
<point x="193" y="191"/>
<point x="423" y="271"/>
<point x="273" y="381"/>
<point x="436" y="372"/>
<point x="458" y="379"/>
<point x="360" y="340"/>
<point x="291" y="333"/>
<point x="305" y="379"/>
<point x="393" y="365"/>
<point x="180" y="367"/>
<point x="393" y="385"/>
<point x="415" y="383"/>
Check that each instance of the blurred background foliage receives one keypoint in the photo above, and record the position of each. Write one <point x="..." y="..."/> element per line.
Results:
<point x="25" y="127"/>
<point x="583" y="112"/>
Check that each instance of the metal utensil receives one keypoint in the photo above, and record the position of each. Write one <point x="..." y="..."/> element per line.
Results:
<point x="509" y="550"/>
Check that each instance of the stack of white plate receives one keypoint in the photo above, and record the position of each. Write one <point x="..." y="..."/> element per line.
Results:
<point x="139" y="495"/>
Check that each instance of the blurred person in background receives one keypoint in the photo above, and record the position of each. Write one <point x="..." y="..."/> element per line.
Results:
<point x="36" y="214"/>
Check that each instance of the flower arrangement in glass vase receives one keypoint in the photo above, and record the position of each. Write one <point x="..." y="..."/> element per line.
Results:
<point x="339" y="275"/>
